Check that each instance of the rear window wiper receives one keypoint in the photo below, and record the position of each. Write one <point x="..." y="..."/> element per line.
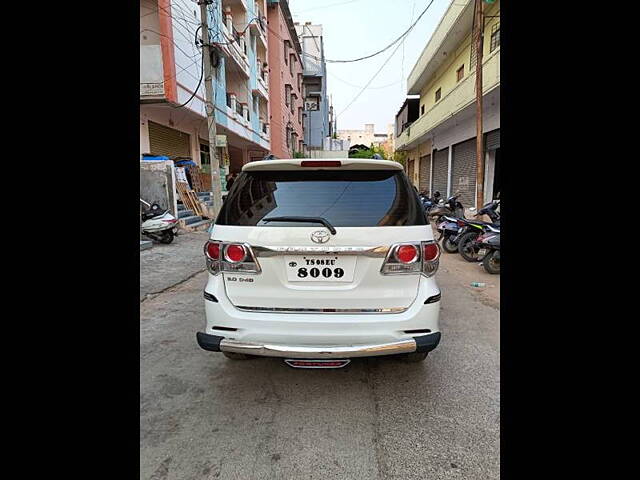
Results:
<point x="321" y="220"/>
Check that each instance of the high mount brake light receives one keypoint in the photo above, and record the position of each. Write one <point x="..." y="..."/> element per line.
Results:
<point x="316" y="163"/>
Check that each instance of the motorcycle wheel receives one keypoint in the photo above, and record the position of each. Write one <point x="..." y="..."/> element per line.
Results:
<point x="491" y="262"/>
<point x="448" y="246"/>
<point x="167" y="237"/>
<point x="467" y="249"/>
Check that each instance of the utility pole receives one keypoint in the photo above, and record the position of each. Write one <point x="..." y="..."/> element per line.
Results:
<point x="216" y="186"/>
<point x="479" y="35"/>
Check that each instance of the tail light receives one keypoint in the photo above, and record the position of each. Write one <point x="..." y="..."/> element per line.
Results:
<point x="235" y="253"/>
<point x="419" y="257"/>
<point x="461" y="223"/>
<point x="170" y="221"/>
<point x="407" y="254"/>
<point x="230" y="257"/>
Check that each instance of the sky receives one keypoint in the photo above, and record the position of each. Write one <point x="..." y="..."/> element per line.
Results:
<point x="355" y="28"/>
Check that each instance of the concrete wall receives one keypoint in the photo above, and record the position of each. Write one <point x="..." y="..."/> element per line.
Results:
<point x="328" y="153"/>
<point x="157" y="184"/>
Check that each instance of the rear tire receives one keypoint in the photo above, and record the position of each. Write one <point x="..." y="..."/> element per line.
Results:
<point x="448" y="246"/>
<point x="236" y="356"/>
<point x="468" y="252"/>
<point x="167" y="237"/>
<point x="414" y="357"/>
<point x="491" y="262"/>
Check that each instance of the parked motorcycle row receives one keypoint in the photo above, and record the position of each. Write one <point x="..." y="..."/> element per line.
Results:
<point x="475" y="240"/>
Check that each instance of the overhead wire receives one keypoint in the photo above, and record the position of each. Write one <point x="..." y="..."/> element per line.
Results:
<point x="370" y="80"/>
<point x="406" y="32"/>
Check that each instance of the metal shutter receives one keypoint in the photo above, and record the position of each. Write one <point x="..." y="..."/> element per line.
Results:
<point x="440" y="171"/>
<point x="493" y="140"/>
<point x="425" y="172"/>
<point x="463" y="178"/>
<point x="167" y="141"/>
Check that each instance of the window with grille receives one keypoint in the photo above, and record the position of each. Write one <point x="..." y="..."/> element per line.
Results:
<point x="460" y="73"/>
<point x="287" y="94"/>
<point x="495" y="37"/>
<point x="438" y="94"/>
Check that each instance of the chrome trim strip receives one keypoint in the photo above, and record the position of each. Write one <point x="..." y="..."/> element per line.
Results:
<point x="318" y="352"/>
<point x="266" y="251"/>
<point x="321" y="310"/>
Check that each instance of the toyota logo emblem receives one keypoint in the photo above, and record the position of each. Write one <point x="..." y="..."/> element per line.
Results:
<point x="321" y="236"/>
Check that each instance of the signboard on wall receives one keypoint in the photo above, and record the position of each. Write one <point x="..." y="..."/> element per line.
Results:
<point x="221" y="140"/>
<point x="311" y="103"/>
<point x="151" y="89"/>
<point x="181" y="176"/>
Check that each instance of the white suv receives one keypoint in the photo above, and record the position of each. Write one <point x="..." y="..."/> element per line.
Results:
<point x="319" y="261"/>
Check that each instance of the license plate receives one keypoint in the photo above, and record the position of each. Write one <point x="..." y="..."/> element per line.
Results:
<point x="320" y="268"/>
<point x="482" y="251"/>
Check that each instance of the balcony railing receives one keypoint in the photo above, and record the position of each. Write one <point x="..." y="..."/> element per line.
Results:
<point x="461" y="96"/>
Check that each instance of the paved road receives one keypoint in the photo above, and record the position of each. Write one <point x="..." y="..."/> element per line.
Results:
<point x="205" y="417"/>
<point x="164" y="266"/>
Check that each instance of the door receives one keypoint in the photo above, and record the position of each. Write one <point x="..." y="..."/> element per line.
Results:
<point x="369" y="209"/>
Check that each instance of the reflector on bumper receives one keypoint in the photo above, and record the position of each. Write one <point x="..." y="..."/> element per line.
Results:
<point x="297" y="363"/>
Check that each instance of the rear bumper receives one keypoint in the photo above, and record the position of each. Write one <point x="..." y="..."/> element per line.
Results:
<point x="422" y="343"/>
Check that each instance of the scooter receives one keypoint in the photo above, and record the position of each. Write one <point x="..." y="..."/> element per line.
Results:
<point x="158" y="224"/>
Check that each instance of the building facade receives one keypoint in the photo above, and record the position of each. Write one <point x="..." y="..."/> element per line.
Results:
<point x="367" y="136"/>
<point x="172" y="100"/>
<point x="317" y="124"/>
<point x="285" y="80"/>
<point x="440" y="137"/>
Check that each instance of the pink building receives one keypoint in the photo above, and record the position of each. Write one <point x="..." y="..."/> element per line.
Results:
<point x="285" y="81"/>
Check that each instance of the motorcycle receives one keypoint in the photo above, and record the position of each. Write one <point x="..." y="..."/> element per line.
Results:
<point x="489" y="244"/>
<point x="449" y="228"/>
<point x="452" y="207"/>
<point x="467" y="247"/>
<point x="158" y="224"/>
<point x="427" y="202"/>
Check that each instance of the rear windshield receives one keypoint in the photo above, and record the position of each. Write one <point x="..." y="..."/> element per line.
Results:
<point x="347" y="198"/>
